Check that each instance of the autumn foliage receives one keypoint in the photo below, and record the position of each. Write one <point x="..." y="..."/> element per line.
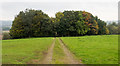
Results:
<point x="35" y="23"/>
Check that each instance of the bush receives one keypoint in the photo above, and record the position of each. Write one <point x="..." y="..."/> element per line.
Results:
<point x="6" y="36"/>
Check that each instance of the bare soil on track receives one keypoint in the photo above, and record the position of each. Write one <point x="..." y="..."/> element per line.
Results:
<point x="70" y="58"/>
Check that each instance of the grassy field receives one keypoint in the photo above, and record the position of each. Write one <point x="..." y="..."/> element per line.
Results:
<point x="21" y="51"/>
<point x="100" y="49"/>
<point x="94" y="49"/>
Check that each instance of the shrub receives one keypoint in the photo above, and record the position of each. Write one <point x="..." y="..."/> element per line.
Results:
<point x="6" y="36"/>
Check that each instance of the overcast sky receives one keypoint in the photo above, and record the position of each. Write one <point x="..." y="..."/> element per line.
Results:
<point x="106" y="10"/>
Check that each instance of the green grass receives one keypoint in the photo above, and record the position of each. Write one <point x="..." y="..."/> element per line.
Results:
<point x="58" y="53"/>
<point x="94" y="49"/>
<point x="101" y="49"/>
<point x="21" y="51"/>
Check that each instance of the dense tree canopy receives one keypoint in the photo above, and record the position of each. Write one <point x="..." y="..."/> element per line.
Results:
<point x="35" y="23"/>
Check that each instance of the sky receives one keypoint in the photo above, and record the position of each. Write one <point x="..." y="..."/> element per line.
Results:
<point x="106" y="10"/>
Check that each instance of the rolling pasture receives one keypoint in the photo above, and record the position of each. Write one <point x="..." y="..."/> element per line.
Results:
<point x="100" y="49"/>
<point x="21" y="51"/>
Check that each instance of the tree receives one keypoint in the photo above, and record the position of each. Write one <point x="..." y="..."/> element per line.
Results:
<point x="18" y="30"/>
<point x="113" y="28"/>
<point x="102" y="27"/>
<point x="35" y="23"/>
<point x="41" y="24"/>
<point x="72" y="24"/>
<point x="30" y="23"/>
<point x="91" y="23"/>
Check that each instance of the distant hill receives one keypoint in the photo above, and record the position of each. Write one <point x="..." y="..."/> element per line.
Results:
<point x="109" y="22"/>
<point x="6" y="25"/>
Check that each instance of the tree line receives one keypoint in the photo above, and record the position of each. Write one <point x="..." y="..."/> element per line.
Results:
<point x="114" y="28"/>
<point x="35" y="23"/>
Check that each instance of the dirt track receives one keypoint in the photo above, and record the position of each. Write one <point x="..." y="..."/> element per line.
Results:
<point x="48" y="58"/>
<point x="69" y="55"/>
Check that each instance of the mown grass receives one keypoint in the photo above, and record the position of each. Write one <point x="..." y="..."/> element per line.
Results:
<point x="101" y="49"/>
<point x="21" y="51"/>
<point x="58" y="53"/>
